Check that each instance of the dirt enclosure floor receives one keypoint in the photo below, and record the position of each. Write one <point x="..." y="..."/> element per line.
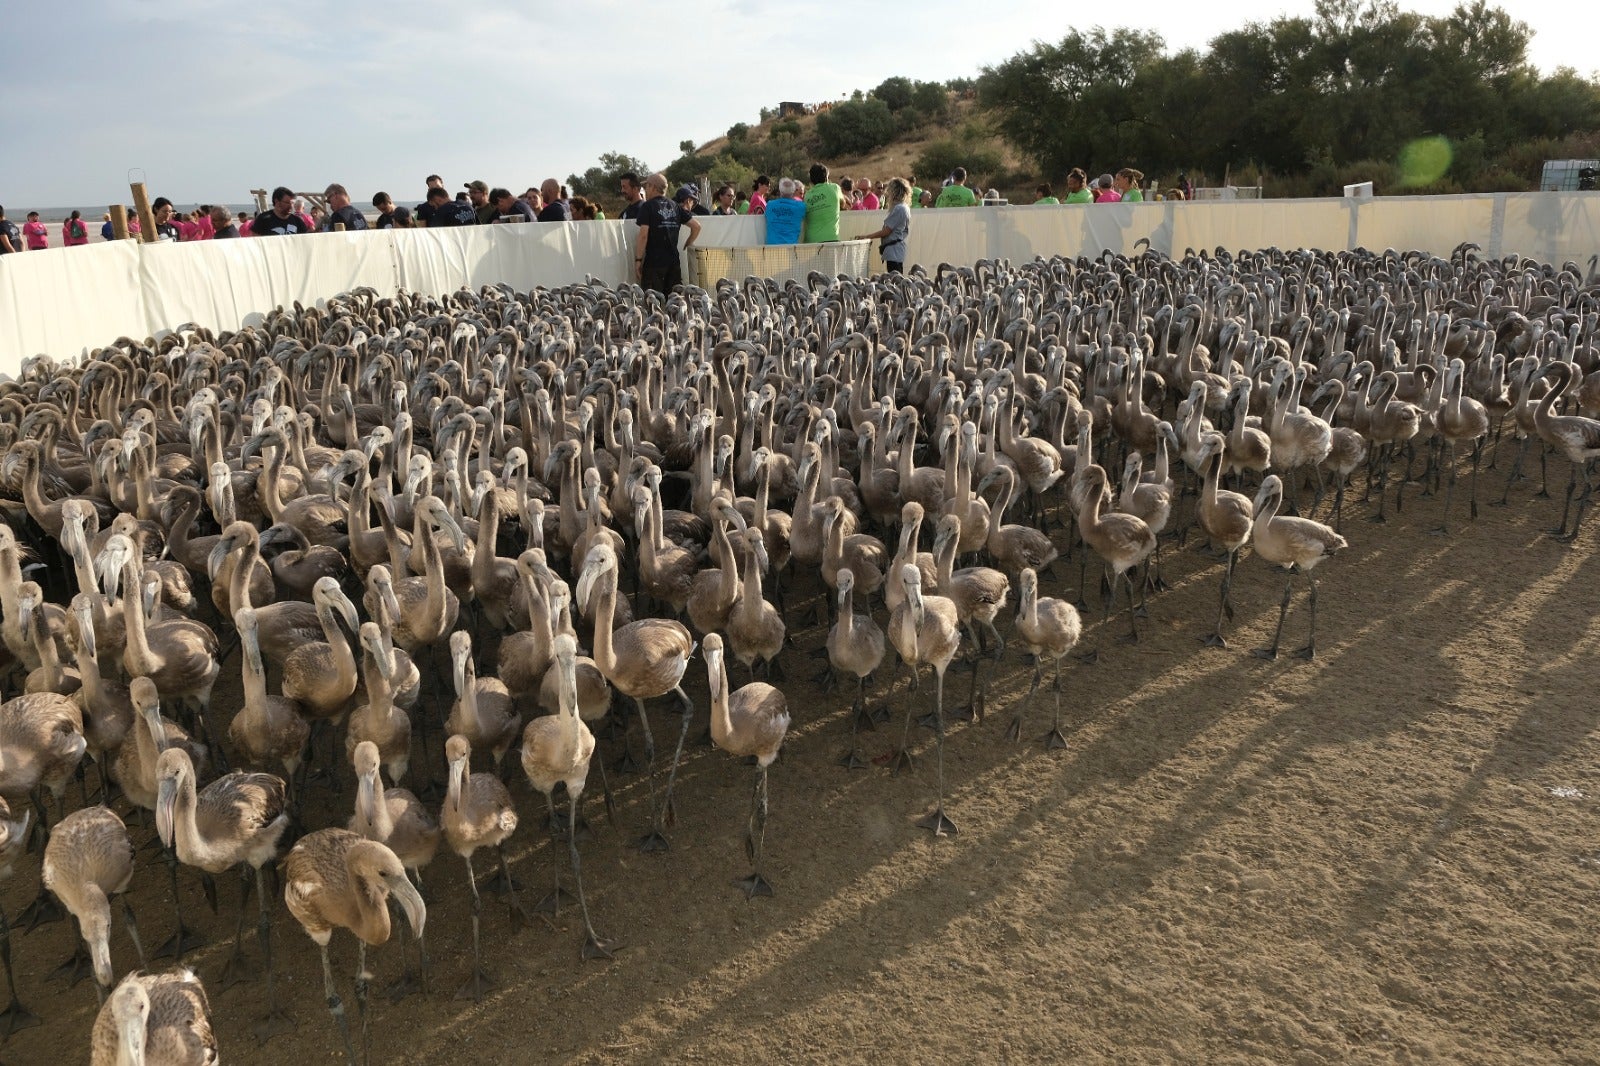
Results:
<point x="1387" y="855"/>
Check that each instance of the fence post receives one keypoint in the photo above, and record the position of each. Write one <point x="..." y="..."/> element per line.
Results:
<point x="147" y="218"/>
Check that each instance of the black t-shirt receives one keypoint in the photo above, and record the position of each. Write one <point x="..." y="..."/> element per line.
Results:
<point x="632" y="210"/>
<point x="452" y="213"/>
<point x="519" y="211"/>
<point x="423" y="214"/>
<point x="664" y="219"/>
<point x="268" y="223"/>
<point x="385" y="221"/>
<point x="167" y="231"/>
<point x="230" y="230"/>
<point x="556" y="211"/>
<point x="9" y="228"/>
<point x="352" y="219"/>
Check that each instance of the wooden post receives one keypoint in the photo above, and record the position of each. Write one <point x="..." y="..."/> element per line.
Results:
<point x="147" y="218"/>
<point x="119" y="222"/>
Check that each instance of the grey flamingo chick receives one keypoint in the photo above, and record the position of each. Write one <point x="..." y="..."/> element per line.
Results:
<point x="477" y="813"/>
<point x="1296" y="544"/>
<point x="556" y="749"/>
<point x="156" y="1018"/>
<point x="338" y="880"/>
<point x="855" y="647"/>
<point x="396" y="818"/>
<point x="1047" y="627"/>
<point x="236" y="821"/>
<point x="89" y="860"/>
<point x="926" y="629"/>
<point x="749" y="722"/>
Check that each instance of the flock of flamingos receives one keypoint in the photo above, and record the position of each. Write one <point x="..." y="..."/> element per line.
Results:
<point x="342" y="506"/>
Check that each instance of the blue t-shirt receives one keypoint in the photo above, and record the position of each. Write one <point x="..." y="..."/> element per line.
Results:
<point x="785" y="218"/>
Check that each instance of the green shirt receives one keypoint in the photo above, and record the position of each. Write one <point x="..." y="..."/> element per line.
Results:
<point x="916" y="196"/>
<point x="1082" y="196"/>
<point x="822" y="212"/>
<point x="742" y="207"/>
<point x="956" y="196"/>
<point x="599" y="215"/>
<point x="1133" y="195"/>
<point x="1046" y="200"/>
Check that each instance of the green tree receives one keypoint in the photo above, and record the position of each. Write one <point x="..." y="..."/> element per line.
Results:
<point x="981" y="160"/>
<point x="739" y="131"/>
<point x="1072" y="101"/>
<point x="931" y="99"/>
<point x="601" y="182"/>
<point x="894" y="92"/>
<point x="855" y="128"/>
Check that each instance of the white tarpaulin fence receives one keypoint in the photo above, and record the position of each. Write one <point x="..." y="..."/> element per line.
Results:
<point x="64" y="301"/>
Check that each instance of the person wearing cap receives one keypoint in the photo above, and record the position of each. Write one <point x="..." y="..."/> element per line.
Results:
<point x="341" y="210"/>
<point x="509" y="208"/>
<point x="478" y="196"/>
<point x="556" y="208"/>
<point x="281" y="219"/>
<point x="656" y="261"/>
<point x="688" y="198"/>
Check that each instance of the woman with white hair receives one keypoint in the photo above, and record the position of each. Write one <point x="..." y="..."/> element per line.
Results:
<point x="896" y="226"/>
<point x="786" y="214"/>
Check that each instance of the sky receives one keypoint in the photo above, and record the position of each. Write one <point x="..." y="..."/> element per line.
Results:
<point x="206" y="100"/>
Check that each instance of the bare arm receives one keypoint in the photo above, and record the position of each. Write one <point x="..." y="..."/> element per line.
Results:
<point x="694" y="233"/>
<point x="638" y="251"/>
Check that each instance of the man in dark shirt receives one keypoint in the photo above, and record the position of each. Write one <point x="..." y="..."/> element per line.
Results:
<point x="222" y="224"/>
<point x="656" y="262"/>
<point x="385" y="205"/>
<point x="478" y="195"/>
<point x="555" y="208"/>
<point x="508" y="208"/>
<point x="281" y="220"/>
<point x="444" y="212"/>
<point x="10" y="235"/>
<point x="632" y="195"/>
<point x="341" y="210"/>
<point x="166" y="229"/>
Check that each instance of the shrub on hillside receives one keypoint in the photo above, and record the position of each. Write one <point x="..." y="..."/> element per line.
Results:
<point x="855" y="128"/>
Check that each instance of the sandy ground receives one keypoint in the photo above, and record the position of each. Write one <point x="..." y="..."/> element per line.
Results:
<point x="1387" y="855"/>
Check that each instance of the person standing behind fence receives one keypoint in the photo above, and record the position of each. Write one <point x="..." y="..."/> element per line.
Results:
<point x="956" y="194"/>
<point x="758" y="195"/>
<point x="35" y="233"/>
<point x="281" y="220"/>
<point x="896" y="226"/>
<point x="656" y="260"/>
<point x="74" y="231"/>
<point x="1045" y="194"/>
<point x="1078" y="187"/>
<point x="1127" y="183"/>
<point x="10" y="236"/>
<point x="222" y="224"/>
<point x="556" y="208"/>
<point x="786" y="215"/>
<point x="632" y="196"/>
<point x="340" y="209"/>
<point x="824" y="201"/>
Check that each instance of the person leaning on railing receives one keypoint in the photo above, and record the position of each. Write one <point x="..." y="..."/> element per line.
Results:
<point x="896" y="226"/>
<point x="786" y="213"/>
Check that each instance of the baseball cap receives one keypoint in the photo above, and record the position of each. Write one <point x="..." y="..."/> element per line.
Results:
<point x="686" y="192"/>
<point x="477" y="186"/>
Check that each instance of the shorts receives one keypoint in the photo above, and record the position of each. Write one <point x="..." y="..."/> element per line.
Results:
<point x="662" y="278"/>
<point x="894" y="266"/>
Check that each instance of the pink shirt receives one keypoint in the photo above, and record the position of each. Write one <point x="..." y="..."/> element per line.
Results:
<point x="66" y="233"/>
<point x="37" y="236"/>
<point x="758" y="204"/>
<point x="1107" y="196"/>
<point x="868" y="202"/>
